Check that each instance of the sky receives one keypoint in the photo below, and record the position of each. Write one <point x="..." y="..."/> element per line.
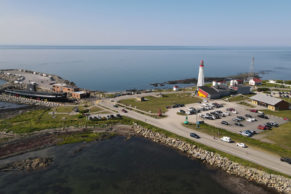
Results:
<point x="146" y="22"/>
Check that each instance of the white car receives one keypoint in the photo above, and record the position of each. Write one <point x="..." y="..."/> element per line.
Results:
<point x="226" y="113"/>
<point x="242" y="145"/>
<point x="251" y="119"/>
<point x="226" y="139"/>
<point x="234" y="112"/>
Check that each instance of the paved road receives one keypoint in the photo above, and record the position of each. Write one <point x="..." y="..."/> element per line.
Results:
<point x="174" y="124"/>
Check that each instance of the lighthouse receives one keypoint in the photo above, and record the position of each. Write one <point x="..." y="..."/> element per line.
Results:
<point x="200" y="81"/>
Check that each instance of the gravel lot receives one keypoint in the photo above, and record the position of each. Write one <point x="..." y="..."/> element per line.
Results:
<point x="242" y="110"/>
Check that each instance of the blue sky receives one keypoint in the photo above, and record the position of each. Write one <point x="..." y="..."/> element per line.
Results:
<point x="146" y="22"/>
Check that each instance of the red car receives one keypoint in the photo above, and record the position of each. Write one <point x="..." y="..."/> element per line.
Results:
<point x="254" y="110"/>
<point x="123" y="110"/>
<point x="263" y="127"/>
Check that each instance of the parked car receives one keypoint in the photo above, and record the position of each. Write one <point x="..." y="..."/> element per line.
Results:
<point x="182" y="111"/>
<point x="234" y="112"/>
<point x="263" y="127"/>
<point x="241" y="118"/>
<point x="247" y="133"/>
<point x="123" y="110"/>
<point x="284" y="159"/>
<point x="274" y="124"/>
<point x="263" y="116"/>
<point x="242" y="145"/>
<point x="226" y="139"/>
<point x="250" y="119"/>
<point x="115" y="105"/>
<point x="239" y="124"/>
<point x="254" y="110"/>
<point x="194" y="135"/>
<point x="248" y="116"/>
<point x="224" y="123"/>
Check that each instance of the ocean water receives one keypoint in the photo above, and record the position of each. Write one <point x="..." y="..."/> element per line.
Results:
<point x="115" y="68"/>
<point x="118" y="165"/>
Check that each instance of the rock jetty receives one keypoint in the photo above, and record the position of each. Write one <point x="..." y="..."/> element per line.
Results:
<point x="277" y="182"/>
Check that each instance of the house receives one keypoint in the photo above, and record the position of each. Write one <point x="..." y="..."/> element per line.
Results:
<point x="241" y="89"/>
<point x="236" y="82"/>
<point x="270" y="102"/>
<point x="272" y="81"/>
<point x="58" y="87"/>
<point x="175" y="88"/>
<point x="80" y="94"/>
<point x="208" y="92"/>
<point x="255" y="81"/>
<point x="63" y="88"/>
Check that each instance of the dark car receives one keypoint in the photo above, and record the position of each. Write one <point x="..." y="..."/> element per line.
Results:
<point x="224" y="123"/>
<point x="241" y="118"/>
<point x="123" y="110"/>
<point x="239" y="124"/>
<point x="284" y="159"/>
<point x="194" y="135"/>
<point x="263" y="116"/>
<point x="248" y="116"/>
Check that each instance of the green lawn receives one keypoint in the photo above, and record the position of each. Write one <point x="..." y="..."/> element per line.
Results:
<point x="154" y="104"/>
<point x="282" y="134"/>
<point x="213" y="131"/>
<point x="237" y="98"/>
<point x="37" y="120"/>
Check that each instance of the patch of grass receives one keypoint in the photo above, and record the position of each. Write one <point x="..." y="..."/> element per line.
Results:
<point x="83" y="137"/>
<point x="237" y="98"/>
<point x="154" y="104"/>
<point x="213" y="131"/>
<point x="95" y="109"/>
<point x="37" y="120"/>
<point x="246" y="104"/>
<point x="282" y="134"/>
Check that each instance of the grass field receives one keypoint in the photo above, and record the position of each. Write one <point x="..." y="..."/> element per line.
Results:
<point x="213" y="131"/>
<point x="282" y="134"/>
<point x="154" y="104"/>
<point x="37" y="120"/>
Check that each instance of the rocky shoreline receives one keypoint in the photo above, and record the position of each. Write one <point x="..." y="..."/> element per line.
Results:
<point x="277" y="182"/>
<point x="27" y="164"/>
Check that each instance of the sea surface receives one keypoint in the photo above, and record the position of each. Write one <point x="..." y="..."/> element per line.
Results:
<point x="115" y="68"/>
<point x="119" y="165"/>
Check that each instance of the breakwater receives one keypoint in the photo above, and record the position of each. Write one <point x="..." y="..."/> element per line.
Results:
<point x="277" y="182"/>
<point x="21" y="100"/>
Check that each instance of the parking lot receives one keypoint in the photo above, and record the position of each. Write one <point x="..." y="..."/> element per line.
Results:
<point x="241" y="111"/>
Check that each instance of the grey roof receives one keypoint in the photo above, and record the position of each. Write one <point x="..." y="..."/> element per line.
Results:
<point x="266" y="99"/>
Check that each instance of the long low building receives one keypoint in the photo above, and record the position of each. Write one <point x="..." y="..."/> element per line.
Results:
<point x="270" y="102"/>
<point x="38" y="95"/>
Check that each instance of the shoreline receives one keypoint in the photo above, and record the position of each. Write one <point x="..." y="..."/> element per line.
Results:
<point x="44" y="139"/>
<point x="42" y="162"/>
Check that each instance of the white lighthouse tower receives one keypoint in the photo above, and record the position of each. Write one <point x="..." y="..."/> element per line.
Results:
<point x="200" y="81"/>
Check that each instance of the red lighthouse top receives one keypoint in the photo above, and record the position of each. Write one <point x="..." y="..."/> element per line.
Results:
<point x="201" y="63"/>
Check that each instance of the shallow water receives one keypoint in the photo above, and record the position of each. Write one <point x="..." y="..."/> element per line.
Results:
<point x="118" y="165"/>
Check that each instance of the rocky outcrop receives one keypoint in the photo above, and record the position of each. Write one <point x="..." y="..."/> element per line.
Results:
<point x="28" y="164"/>
<point x="280" y="183"/>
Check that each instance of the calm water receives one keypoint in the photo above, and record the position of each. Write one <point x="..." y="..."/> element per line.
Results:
<point x="122" y="166"/>
<point x="114" y="68"/>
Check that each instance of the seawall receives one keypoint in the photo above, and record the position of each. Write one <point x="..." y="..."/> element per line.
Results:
<point x="277" y="182"/>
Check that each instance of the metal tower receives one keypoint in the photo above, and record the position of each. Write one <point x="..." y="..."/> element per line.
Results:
<point x="200" y="81"/>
